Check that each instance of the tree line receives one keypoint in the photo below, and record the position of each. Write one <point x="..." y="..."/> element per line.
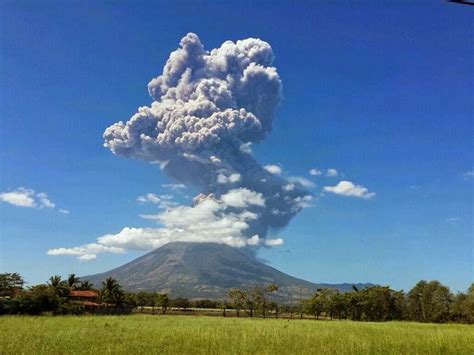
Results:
<point x="425" y="302"/>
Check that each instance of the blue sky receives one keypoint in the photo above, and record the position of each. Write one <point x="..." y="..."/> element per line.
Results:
<point x="380" y="92"/>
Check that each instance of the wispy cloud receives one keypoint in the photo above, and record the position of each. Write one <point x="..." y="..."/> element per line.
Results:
<point x="315" y="172"/>
<point x="469" y="174"/>
<point x="301" y="181"/>
<point x="24" y="197"/>
<point x="347" y="188"/>
<point x="332" y="172"/>
<point x="163" y="201"/>
<point x="174" y="186"/>
<point x="86" y="252"/>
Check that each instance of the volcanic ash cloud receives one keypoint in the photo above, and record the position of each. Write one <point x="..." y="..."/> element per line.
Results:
<point x="208" y="108"/>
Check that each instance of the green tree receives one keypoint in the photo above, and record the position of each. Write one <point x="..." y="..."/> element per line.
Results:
<point x="462" y="308"/>
<point x="10" y="284"/>
<point x="162" y="300"/>
<point x="73" y="282"/>
<point x="36" y="300"/>
<point x="468" y="305"/>
<point x="181" y="302"/>
<point x="257" y="297"/>
<point x="339" y="305"/>
<point x="86" y="286"/>
<point x="112" y="293"/>
<point x="429" y="302"/>
<point x="238" y="299"/>
<point x="318" y="303"/>
<point x="59" y="286"/>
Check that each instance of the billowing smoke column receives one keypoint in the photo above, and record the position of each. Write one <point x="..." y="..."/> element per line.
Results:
<point x="208" y="107"/>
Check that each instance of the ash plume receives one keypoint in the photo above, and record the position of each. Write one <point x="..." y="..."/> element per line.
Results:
<point x="208" y="108"/>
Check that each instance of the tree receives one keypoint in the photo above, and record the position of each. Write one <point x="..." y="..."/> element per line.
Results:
<point x="429" y="302"/>
<point x="257" y="297"/>
<point x="181" y="302"/>
<point x="36" y="300"/>
<point x="10" y="284"/>
<point x="468" y="305"/>
<point x="73" y="282"/>
<point x="112" y="293"/>
<point x="86" y="286"/>
<point x="462" y="308"/>
<point x="238" y="299"/>
<point x="163" y="301"/>
<point x="145" y="299"/>
<point x="315" y="304"/>
<point x="339" y="305"/>
<point x="59" y="287"/>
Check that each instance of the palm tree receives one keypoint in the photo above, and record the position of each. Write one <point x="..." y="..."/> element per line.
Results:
<point x="54" y="281"/>
<point x="73" y="282"/>
<point x="59" y="287"/>
<point x="112" y="292"/>
<point x="86" y="285"/>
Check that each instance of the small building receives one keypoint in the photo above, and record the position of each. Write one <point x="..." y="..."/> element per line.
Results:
<point x="87" y="298"/>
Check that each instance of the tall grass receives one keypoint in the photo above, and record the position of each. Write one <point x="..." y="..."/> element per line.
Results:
<point x="211" y="335"/>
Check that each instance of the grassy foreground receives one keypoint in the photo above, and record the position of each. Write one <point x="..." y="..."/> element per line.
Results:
<point x="215" y="335"/>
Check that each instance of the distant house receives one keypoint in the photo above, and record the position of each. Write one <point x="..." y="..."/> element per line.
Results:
<point x="88" y="299"/>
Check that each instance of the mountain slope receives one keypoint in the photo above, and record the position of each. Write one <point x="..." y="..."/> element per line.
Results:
<point x="203" y="270"/>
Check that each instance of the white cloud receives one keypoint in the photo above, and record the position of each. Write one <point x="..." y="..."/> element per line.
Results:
<point x="273" y="242"/>
<point x="23" y="197"/>
<point x="163" y="201"/>
<point x="232" y="178"/>
<point x="332" y="172"/>
<point x="347" y="188"/>
<point x="44" y="201"/>
<point x="273" y="169"/>
<point x="242" y="198"/>
<point x="209" y="220"/>
<point x="86" y="252"/>
<point x="302" y="181"/>
<point x="315" y="172"/>
<point x="255" y="240"/>
<point x="289" y="187"/>
<point x="174" y="186"/>
<point x="63" y="211"/>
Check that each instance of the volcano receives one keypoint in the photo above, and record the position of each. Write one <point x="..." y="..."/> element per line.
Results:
<point x="205" y="270"/>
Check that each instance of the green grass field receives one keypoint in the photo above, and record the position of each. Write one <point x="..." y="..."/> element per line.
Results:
<point x="203" y="335"/>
